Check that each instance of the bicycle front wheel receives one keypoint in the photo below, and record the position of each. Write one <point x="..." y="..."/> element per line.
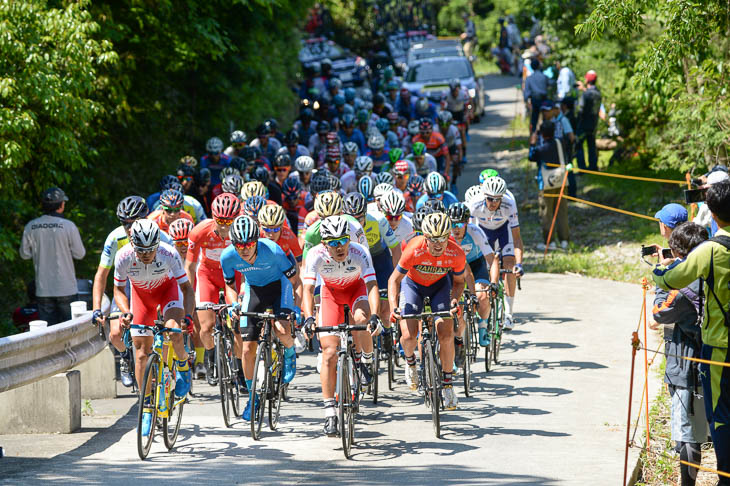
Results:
<point x="345" y="405"/>
<point x="171" y="423"/>
<point x="224" y="375"/>
<point x="468" y="338"/>
<point x="375" y="370"/>
<point x="150" y="381"/>
<point x="259" y="389"/>
<point x="277" y="386"/>
<point x="432" y="387"/>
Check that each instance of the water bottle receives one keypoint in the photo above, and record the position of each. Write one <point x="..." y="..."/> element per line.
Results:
<point x="158" y="344"/>
<point x="300" y="342"/>
<point x="164" y="392"/>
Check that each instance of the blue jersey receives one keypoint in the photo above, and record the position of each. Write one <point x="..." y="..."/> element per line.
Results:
<point x="448" y="199"/>
<point x="271" y="264"/>
<point x="475" y="243"/>
<point x="356" y="137"/>
<point x="215" y="167"/>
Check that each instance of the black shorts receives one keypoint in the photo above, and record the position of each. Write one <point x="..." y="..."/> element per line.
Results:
<point x="259" y="299"/>
<point x="480" y="270"/>
<point x="458" y="116"/>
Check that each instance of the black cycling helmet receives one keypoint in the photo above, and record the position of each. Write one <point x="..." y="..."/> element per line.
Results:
<point x="319" y="183"/>
<point x="261" y="174"/>
<point x="282" y="160"/>
<point x="459" y="213"/>
<point x="184" y="170"/>
<point x="247" y="153"/>
<point x="436" y="204"/>
<point x="261" y="129"/>
<point x="238" y="163"/>
<point x="131" y="208"/>
<point x="167" y="180"/>
<point x="379" y="99"/>
<point x="291" y="188"/>
<point x="355" y="204"/>
<point x="306" y="115"/>
<point x="348" y="120"/>
<point x="292" y="137"/>
<point x="323" y="127"/>
<point x="419" y="215"/>
<point x="272" y="124"/>
<point x="257" y="153"/>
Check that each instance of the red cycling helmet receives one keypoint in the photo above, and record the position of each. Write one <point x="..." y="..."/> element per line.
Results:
<point x="180" y="228"/>
<point x="226" y="206"/>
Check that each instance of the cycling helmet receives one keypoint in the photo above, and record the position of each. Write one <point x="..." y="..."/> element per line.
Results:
<point x="203" y="177"/>
<point x="272" y="124"/>
<point x="291" y="188"/>
<point x="282" y="160"/>
<point x="474" y="194"/>
<point x="333" y="227"/>
<point x="350" y="94"/>
<point x="454" y="83"/>
<point x="131" y="207"/>
<point x="304" y="163"/>
<point x="272" y="215"/>
<point x="253" y="188"/>
<point x="180" y="229"/>
<point x="419" y="215"/>
<point x="225" y="206"/>
<point x="384" y="178"/>
<point x="378" y="99"/>
<point x="333" y="139"/>
<point x="494" y="186"/>
<point x="395" y="155"/>
<point x="167" y="180"/>
<point x="419" y="148"/>
<point x="376" y="141"/>
<point x="189" y="160"/>
<point x="349" y="148"/>
<point x="348" y="110"/>
<point x="486" y="174"/>
<point x="415" y="185"/>
<point x="238" y="163"/>
<point x="253" y="205"/>
<point x="391" y="86"/>
<point x="247" y="153"/>
<point x="334" y="182"/>
<point x="261" y="174"/>
<point x="306" y="114"/>
<point x="214" y="146"/>
<point x="362" y="116"/>
<point x="355" y="204"/>
<point x="176" y="186"/>
<point x="422" y="106"/>
<point x="436" y="205"/>
<point x="366" y="94"/>
<point x="338" y="100"/>
<point x="319" y="183"/>
<point x="256" y="153"/>
<point x="185" y="171"/>
<point x="388" y="72"/>
<point x="425" y="125"/>
<point x="232" y="184"/>
<point x="227" y="171"/>
<point x="400" y="167"/>
<point x="261" y="130"/>
<point x="335" y="83"/>
<point x="381" y="189"/>
<point x="323" y="127"/>
<point x="365" y="187"/>
<point x="328" y="204"/>
<point x="244" y="229"/>
<point x="144" y="235"/>
<point x="435" y="183"/>
<point x="459" y="213"/>
<point x="382" y="125"/>
<point x="292" y="137"/>
<point x="445" y="117"/>
<point x="170" y="198"/>
<point x="413" y="127"/>
<point x="436" y="225"/>
<point x="332" y="153"/>
<point x="363" y="164"/>
<point x="393" y="203"/>
<point x="348" y="120"/>
<point x="238" y="136"/>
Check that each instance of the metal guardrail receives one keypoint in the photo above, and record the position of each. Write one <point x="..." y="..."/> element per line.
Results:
<point x="32" y="356"/>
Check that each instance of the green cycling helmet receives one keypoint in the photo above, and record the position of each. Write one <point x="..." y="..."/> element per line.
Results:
<point x="486" y="174"/>
<point x="419" y="148"/>
<point x="395" y="155"/>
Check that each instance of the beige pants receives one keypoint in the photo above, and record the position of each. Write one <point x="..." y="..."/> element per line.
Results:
<point x="547" y="210"/>
<point x="469" y="48"/>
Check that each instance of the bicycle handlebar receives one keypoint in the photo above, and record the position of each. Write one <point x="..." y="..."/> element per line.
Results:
<point x="341" y="328"/>
<point x="425" y="315"/>
<point x="157" y="327"/>
<point x="266" y="315"/>
<point x="213" y="307"/>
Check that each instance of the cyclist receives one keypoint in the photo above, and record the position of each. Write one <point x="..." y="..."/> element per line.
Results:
<point x="362" y="167"/>
<point x="269" y="276"/>
<point x="238" y="143"/>
<point x="171" y="203"/>
<point x="203" y="267"/>
<point x="481" y="272"/>
<point x="346" y="272"/>
<point x="327" y="204"/>
<point x="157" y="280"/>
<point x="453" y="141"/>
<point x="435" y="144"/>
<point x="320" y="184"/>
<point x="432" y="266"/>
<point x="435" y="187"/>
<point x="271" y="220"/>
<point x="414" y="190"/>
<point x="348" y="133"/>
<point x="487" y="173"/>
<point x="282" y="168"/>
<point x="304" y="166"/>
<point x="294" y="203"/>
<point x="215" y="159"/>
<point x="334" y="163"/>
<point x="294" y="148"/>
<point x="456" y="103"/>
<point x="268" y="145"/>
<point x="424" y="162"/>
<point x="496" y="214"/>
<point x="179" y="231"/>
<point x="377" y="152"/>
<point x="349" y="153"/>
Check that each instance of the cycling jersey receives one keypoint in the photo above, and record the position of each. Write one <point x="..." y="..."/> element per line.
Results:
<point x="296" y="212"/>
<point x="448" y="199"/>
<point x="425" y="269"/>
<point x="206" y="162"/>
<point x="435" y="144"/>
<point x="429" y="165"/>
<point x="312" y="237"/>
<point x="349" y="182"/>
<point x="378" y="160"/>
<point x="492" y="220"/>
<point x="158" y="217"/>
<point x="288" y="242"/>
<point x="146" y="278"/>
<point x="190" y="205"/>
<point x="270" y="264"/>
<point x="405" y="228"/>
<point x="116" y="240"/>
<point x="338" y="275"/>
<point x="205" y="245"/>
<point x="456" y="103"/>
<point x="452" y="136"/>
<point x="475" y="243"/>
<point x="378" y="233"/>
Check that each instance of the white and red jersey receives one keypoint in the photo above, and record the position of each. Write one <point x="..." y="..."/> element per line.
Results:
<point x="205" y="245"/>
<point x="166" y="267"/>
<point x="339" y="275"/>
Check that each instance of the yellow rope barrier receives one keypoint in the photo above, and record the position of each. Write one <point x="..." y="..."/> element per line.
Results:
<point x="622" y="176"/>
<point x="622" y="211"/>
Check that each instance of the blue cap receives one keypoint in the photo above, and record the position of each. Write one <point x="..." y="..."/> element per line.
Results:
<point x="546" y="105"/>
<point x="672" y="214"/>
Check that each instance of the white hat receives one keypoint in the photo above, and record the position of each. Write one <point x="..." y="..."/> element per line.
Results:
<point x="717" y="176"/>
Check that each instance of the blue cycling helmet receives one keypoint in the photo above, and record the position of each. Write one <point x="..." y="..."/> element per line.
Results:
<point x="365" y="187"/>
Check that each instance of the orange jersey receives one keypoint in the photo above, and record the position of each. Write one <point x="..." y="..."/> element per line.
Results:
<point x="424" y="268"/>
<point x="287" y="242"/>
<point x="157" y="217"/>
<point x="436" y="144"/>
<point x="205" y="246"/>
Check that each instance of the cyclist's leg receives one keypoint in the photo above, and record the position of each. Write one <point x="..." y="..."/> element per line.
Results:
<point x="173" y="314"/>
<point x="508" y="261"/>
<point x="282" y="301"/>
<point x="481" y="282"/>
<point x="142" y="341"/>
<point x="383" y="266"/>
<point x="331" y="312"/>
<point x="250" y="330"/>
<point x="411" y="302"/>
<point x="441" y="302"/>
<point x="116" y="334"/>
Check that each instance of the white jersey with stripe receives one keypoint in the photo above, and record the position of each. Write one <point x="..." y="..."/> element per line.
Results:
<point x="338" y="275"/>
<point x="166" y="266"/>
<point x="492" y="220"/>
<point x="117" y="240"/>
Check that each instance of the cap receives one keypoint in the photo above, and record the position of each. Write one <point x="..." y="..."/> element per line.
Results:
<point x="591" y="76"/>
<point x="546" y="105"/>
<point x="672" y="214"/>
<point x="717" y="176"/>
<point x="54" y="195"/>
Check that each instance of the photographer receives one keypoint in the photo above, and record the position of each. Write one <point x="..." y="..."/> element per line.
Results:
<point x="682" y="308"/>
<point x="704" y="218"/>
<point x="711" y="262"/>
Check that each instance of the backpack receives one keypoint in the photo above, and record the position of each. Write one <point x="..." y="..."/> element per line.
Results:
<point x="724" y="241"/>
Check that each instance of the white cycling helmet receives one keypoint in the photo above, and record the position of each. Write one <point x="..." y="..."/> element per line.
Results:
<point x="350" y="148"/>
<point x="474" y="194"/>
<point x="384" y="178"/>
<point x="238" y="136"/>
<point x="382" y="189"/>
<point x="494" y="186"/>
<point x="376" y="141"/>
<point x="253" y="188"/>
<point x="393" y="203"/>
<point x="436" y="225"/>
<point x="333" y="227"/>
<point x="145" y="235"/>
<point x="435" y="183"/>
<point x="413" y="128"/>
<point x="244" y="229"/>
<point x="214" y="145"/>
<point x="304" y="163"/>
<point x="363" y="164"/>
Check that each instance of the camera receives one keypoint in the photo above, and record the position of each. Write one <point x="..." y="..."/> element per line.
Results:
<point x="647" y="250"/>
<point x="694" y="195"/>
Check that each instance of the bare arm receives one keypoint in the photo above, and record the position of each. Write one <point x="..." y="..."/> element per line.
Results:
<point x="517" y="239"/>
<point x="493" y="268"/>
<point x="190" y="268"/>
<point x="458" y="287"/>
<point x="394" y="287"/>
<point x="188" y="298"/>
<point x="231" y="292"/>
<point x="373" y="296"/>
<point x="97" y="292"/>
<point x="121" y="299"/>
<point x="308" y="300"/>
<point x="396" y="252"/>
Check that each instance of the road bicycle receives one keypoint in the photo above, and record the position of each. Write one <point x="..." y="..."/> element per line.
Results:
<point x="496" y="320"/>
<point x="470" y="305"/>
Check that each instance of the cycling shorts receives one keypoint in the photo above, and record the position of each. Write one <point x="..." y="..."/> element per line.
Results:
<point x="458" y="116"/>
<point x="278" y="296"/>
<point x="144" y="304"/>
<point x="208" y="283"/>
<point x="480" y="270"/>
<point x="412" y="294"/>
<point x="331" y="310"/>
<point x="383" y="266"/>
<point x="501" y="238"/>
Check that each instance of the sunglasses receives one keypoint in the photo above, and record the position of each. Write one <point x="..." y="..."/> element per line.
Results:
<point x="245" y="246"/>
<point x="334" y="243"/>
<point x="437" y="196"/>
<point x="185" y="178"/>
<point x="127" y="224"/>
<point x="181" y="243"/>
<point x="145" y="251"/>
<point x="171" y="210"/>
<point x="271" y="230"/>
<point x="458" y="225"/>
<point x="399" y="175"/>
<point x="393" y="217"/>
<point x="238" y="145"/>
<point x="442" y="239"/>
<point x="282" y="169"/>
<point x="493" y="199"/>
<point x="224" y="221"/>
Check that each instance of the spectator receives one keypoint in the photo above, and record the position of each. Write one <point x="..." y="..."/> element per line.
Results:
<point x="566" y="80"/>
<point x="711" y="262"/>
<point x="535" y="92"/>
<point x="589" y="107"/>
<point x="682" y="309"/>
<point x="549" y="150"/>
<point x="669" y="217"/>
<point x="704" y="217"/>
<point x="469" y="36"/>
<point x="53" y="242"/>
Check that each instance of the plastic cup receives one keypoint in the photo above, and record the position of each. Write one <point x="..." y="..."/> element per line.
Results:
<point x="78" y="309"/>
<point x="36" y="326"/>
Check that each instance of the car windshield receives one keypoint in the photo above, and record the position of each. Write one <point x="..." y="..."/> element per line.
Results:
<point x="398" y="45"/>
<point x="434" y="71"/>
<point x="316" y="51"/>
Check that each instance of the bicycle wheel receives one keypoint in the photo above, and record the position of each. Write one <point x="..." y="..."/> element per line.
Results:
<point x="467" y="351"/>
<point x="171" y="423"/>
<point x="375" y="370"/>
<point x="221" y="364"/>
<point x="277" y="386"/>
<point x="259" y="388"/>
<point x="151" y="378"/>
<point x="431" y="387"/>
<point x="396" y="342"/>
<point x="488" y="348"/>
<point x="391" y="367"/>
<point x="234" y="377"/>
<point x="345" y="405"/>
